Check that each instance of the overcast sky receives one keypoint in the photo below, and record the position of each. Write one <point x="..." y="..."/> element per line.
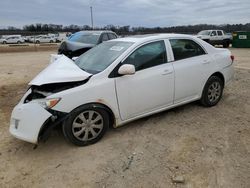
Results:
<point x="149" y="13"/>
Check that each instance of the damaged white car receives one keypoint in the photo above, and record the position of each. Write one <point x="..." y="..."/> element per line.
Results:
<point x="119" y="81"/>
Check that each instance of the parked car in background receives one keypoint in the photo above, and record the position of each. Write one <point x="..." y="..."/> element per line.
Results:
<point x="119" y="81"/>
<point x="215" y="37"/>
<point x="25" y="38"/>
<point x="45" y="39"/>
<point x="62" y="36"/>
<point x="32" y="39"/>
<point x="12" y="40"/>
<point x="82" y="41"/>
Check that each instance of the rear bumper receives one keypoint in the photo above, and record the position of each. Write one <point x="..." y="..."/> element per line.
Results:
<point x="27" y="120"/>
<point x="228" y="73"/>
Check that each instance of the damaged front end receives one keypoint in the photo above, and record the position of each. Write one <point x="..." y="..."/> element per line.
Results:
<point x="43" y="91"/>
<point x="33" y="117"/>
<point x="38" y="94"/>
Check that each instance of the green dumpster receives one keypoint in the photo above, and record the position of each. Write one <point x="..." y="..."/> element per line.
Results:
<point x="241" y="39"/>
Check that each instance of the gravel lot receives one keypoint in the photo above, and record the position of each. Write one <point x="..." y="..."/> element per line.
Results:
<point x="207" y="147"/>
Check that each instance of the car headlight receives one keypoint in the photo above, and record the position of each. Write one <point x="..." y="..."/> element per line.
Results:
<point x="47" y="103"/>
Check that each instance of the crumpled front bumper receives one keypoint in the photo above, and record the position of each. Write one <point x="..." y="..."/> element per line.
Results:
<point x="27" y="120"/>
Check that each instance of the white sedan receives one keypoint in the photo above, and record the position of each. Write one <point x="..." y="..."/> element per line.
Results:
<point x="119" y="81"/>
<point x="45" y="39"/>
<point x="12" y="40"/>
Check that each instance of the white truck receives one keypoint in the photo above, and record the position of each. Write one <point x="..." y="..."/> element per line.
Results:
<point x="216" y="37"/>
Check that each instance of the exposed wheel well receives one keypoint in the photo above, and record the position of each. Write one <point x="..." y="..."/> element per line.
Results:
<point x="44" y="131"/>
<point x="220" y="75"/>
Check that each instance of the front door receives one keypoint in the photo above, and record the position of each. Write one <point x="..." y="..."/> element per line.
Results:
<point x="152" y="85"/>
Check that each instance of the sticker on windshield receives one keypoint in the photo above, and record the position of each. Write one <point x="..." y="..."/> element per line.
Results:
<point x="116" y="48"/>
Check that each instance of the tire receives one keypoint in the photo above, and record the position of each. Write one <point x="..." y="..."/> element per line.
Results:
<point x="78" y="129"/>
<point x="37" y="42"/>
<point x="207" y="40"/>
<point x="51" y="41"/>
<point x="4" y="42"/>
<point x="226" y="44"/>
<point x="212" y="91"/>
<point x="18" y="42"/>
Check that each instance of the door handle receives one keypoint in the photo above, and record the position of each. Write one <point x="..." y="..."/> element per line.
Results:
<point x="167" y="71"/>
<point x="206" y="62"/>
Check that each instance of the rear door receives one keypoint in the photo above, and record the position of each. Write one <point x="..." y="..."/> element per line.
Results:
<point x="152" y="85"/>
<point x="191" y="64"/>
<point x="220" y="35"/>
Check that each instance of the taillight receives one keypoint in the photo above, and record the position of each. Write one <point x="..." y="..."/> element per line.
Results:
<point x="232" y="58"/>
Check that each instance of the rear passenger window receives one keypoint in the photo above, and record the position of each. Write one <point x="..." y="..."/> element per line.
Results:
<point x="111" y="36"/>
<point x="147" y="56"/>
<point x="219" y="33"/>
<point x="185" y="48"/>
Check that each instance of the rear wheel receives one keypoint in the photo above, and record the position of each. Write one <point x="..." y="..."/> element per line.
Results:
<point x="212" y="91"/>
<point x="226" y="44"/>
<point x="207" y="40"/>
<point x="18" y="42"/>
<point x="51" y="41"/>
<point x="37" y="42"/>
<point x="86" y="125"/>
<point x="4" y="42"/>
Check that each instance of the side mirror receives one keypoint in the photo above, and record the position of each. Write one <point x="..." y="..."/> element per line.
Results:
<point x="126" y="69"/>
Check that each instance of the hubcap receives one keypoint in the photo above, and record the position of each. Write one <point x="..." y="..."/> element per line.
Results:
<point x="214" y="92"/>
<point x="87" y="125"/>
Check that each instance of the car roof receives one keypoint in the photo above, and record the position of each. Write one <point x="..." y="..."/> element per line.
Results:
<point x="149" y="37"/>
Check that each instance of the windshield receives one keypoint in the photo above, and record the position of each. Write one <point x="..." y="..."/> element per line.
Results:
<point x="100" y="57"/>
<point x="204" y="33"/>
<point x="89" y="38"/>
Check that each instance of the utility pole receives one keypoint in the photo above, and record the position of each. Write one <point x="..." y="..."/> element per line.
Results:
<point x="91" y="13"/>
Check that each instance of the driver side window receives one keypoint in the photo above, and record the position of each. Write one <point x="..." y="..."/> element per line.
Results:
<point x="147" y="56"/>
<point x="213" y="33"/>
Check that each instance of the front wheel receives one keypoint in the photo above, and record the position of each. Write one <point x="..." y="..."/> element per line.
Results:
<point x="212" y="91"/>
<point x="86" y="125"/>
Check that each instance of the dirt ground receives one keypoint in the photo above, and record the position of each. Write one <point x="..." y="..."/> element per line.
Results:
<point x="27" y="47"/>
<point x="208" y="147"/>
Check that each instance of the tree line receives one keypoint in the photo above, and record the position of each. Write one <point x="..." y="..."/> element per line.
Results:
<point x="39" y="28"/>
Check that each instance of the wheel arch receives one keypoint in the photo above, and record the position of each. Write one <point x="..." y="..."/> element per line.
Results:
<point x="104" y="107"/>
<point x="219" y="75"/>
<point x="49" y="125"/>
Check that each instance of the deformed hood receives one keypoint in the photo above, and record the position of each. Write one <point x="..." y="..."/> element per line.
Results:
<point x="61" y="70"/>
